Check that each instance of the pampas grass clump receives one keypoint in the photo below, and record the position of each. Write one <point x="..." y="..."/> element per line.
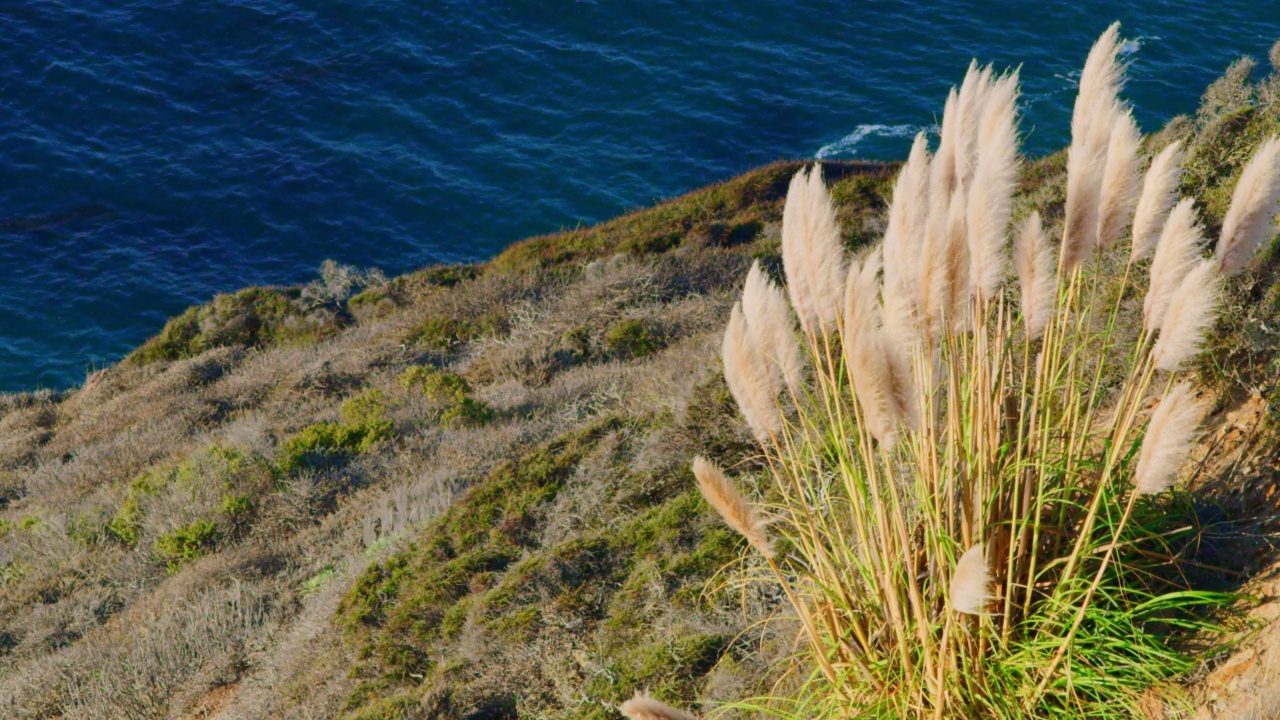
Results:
<point x="968" y="502"/>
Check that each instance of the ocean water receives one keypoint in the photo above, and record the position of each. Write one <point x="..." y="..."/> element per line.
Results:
<point x="154" y="153"/>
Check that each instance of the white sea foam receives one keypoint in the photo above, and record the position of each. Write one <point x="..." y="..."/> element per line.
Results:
<point x="1127" y="48"/>
<point x="847" y="146"/>
<point x="1133" y="45"/>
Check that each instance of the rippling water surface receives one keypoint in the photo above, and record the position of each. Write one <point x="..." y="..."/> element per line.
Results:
<point x="154" y="153"/>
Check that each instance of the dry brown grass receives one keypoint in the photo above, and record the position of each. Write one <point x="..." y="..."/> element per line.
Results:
<point x="92" y="627"/>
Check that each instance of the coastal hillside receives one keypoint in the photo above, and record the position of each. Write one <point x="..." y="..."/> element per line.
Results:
<point x="464" y="492"/>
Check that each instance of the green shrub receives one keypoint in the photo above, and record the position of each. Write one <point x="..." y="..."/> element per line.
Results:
<point x="367" y="407"/>
<point x="631" y="338"/>
<point x="252" y="317"/>
<point x="652" y="244"/>
<point x="29" y="522"/>
<point x="467" y="412"/>
<point x="238" y="509"/>
<point x="126" y="525"/>
<point x="439" y="333"/>
<point x="450" y="390"/>
<point x="239" y="472"/>
<point x="328" y="442"/>
<point x="88" y="527"/>
<point x="363" y="426"/>
<point x="442" y="387"/>
<point x="317" y="581"/>
<point x="448" y="275"/>
<point x="186" y="543"/>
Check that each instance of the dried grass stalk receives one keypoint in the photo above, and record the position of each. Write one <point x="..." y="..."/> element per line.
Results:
<point x="957" y="287"/>
<point x="936" y="265"/>
<point x="879" y="369"/>
<point x="643" y="707"/>
<point x="971" y="104"/>
<point x="942" y="171"/>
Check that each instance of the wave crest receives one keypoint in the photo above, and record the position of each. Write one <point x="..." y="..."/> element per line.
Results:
<point x="847" y="146"/>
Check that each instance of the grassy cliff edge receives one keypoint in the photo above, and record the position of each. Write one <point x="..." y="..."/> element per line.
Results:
<point x="462" y="492"/>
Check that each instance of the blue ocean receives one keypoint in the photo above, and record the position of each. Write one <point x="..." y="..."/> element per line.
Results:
<point x="154" y="153"/>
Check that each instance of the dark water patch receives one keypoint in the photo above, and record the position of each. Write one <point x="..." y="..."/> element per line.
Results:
<point x="155" y="154"/>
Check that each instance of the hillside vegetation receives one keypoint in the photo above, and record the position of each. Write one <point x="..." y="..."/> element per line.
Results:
<point x="464" y="492"/>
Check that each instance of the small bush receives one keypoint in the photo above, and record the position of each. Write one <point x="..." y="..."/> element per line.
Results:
<point x="448" y="275"/>
<point x="88" y="527"/>
<point x="442" y="387"/>
<point x="652" y="244"/>
<point x="450" y="390"/>
<point x="439" y="333"/>
<point x="365" y="408"/>
<point x="467" y="412"/>
<point x="317" y="581"/>
<point x="631" y="339"/>
<point x="238" y="509"/>
<point x="443" y="333"/>
<point x="126" y="525"/>
<point x="328" y="442"/>
<point x="186" y="543"/>
<point x="252" y="317"/>
<point x="338" y="283"/>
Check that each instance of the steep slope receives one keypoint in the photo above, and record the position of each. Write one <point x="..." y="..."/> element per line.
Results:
<point x="462" y="492"/>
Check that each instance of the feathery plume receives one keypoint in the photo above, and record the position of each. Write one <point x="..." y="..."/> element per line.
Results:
<point x="1176" y="254"/>
<point x="1084" y="182"/>
<point x="878" y="368"/>
<point x="959" y="287"/>
<point x="737" y="512"/>
<point x="884" y="386"/>
<point x="643" y="707"/>
<point x="971" y="103"/>
<point x="749" y="378"/>
<point x="995" y="177"/>
<point x="1033" y="259"/>
<point x="971" y="583"/>
<point x="942" y="175"/>
<point x="903" y="242"/>
<point x="933" y="292"/>
<point x="1159" y="193"/>
<point x="812" y="255"/>
<point x="1169" y="439"/>
<point x="1092" y="118"/>
<point x="1119" y="189"/>
<point x="1253" y="205"/>
<point x="772" y="328"/>
<point x="1100" y="83"/>
<point x="1191" y="312"/>
<point x="860" y="307"/>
